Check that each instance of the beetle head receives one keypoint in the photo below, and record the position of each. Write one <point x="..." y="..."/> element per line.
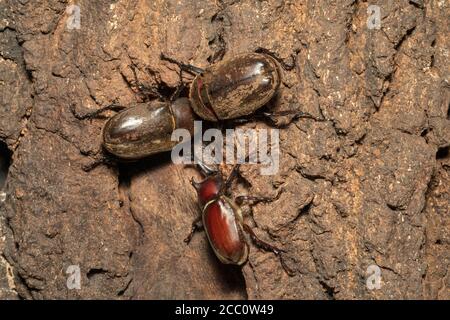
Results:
<point x="208" y="189"/>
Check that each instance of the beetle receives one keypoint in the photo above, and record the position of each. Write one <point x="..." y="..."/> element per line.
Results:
<point x="222" y="219"/>
<point x="146" y="128"/>
<point x="230" y="89"/>
<point x="235" y="87"/>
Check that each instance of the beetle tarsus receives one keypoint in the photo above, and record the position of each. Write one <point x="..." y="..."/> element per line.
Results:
<point x="238" y="121"/>
<point x="260" y="243"/>
<point x="297" y="114"/>
<point x="103" y="159"/>
<point x="268" y="247"/>
<point x="96" y="113"/>
<point x="194" y="228"/>
<point x="185" y="67"/>
<point x="288" y="66"/>
<point x="269" y="115"/>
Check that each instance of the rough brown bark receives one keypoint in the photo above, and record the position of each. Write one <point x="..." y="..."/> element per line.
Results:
<point x="371" y="185"/>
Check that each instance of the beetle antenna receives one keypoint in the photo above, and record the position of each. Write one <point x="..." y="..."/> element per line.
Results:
<point x="207" y="171"/>
<point x="195" y="184"/>
<point x="288" y="66"/>
<point x="204" y="168"/>
<point x="186" y="67"/>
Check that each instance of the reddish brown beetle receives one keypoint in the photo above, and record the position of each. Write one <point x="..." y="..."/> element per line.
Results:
<point x="223" y="221"/>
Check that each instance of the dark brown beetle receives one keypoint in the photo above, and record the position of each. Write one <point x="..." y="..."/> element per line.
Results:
<point x="227" y="90"/>
<point x="235" y="87"/>
<point x="223" y="221"/>
<point x="146" y="128"/>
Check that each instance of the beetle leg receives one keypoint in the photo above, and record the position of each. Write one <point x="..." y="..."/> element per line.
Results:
<point x="260" y="243"/>
<point x="234" y="173"/>
<point x="177" y="92"/>
<point x="179" y="88"/>
<point x="142" y="89"/>
<point x="227" y="185"/>
<point x="186" y="67"/>
<point x="102" y="159"/>
<point x="238" y="121"/>
<point x="295" y="113"/>
<point x="288" y="66"/>
<point x="96" y="113"/>
<point x="268" y="247"/>
<point x="194" y="228"/>
<point x="270" y="115"/>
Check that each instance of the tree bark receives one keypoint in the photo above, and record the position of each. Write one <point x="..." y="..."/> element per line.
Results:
<point x="369" y="186"/>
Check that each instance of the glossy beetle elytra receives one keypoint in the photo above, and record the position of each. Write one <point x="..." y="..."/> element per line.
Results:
<point x="146" y="128"/>
<point x="223" y="221"/>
